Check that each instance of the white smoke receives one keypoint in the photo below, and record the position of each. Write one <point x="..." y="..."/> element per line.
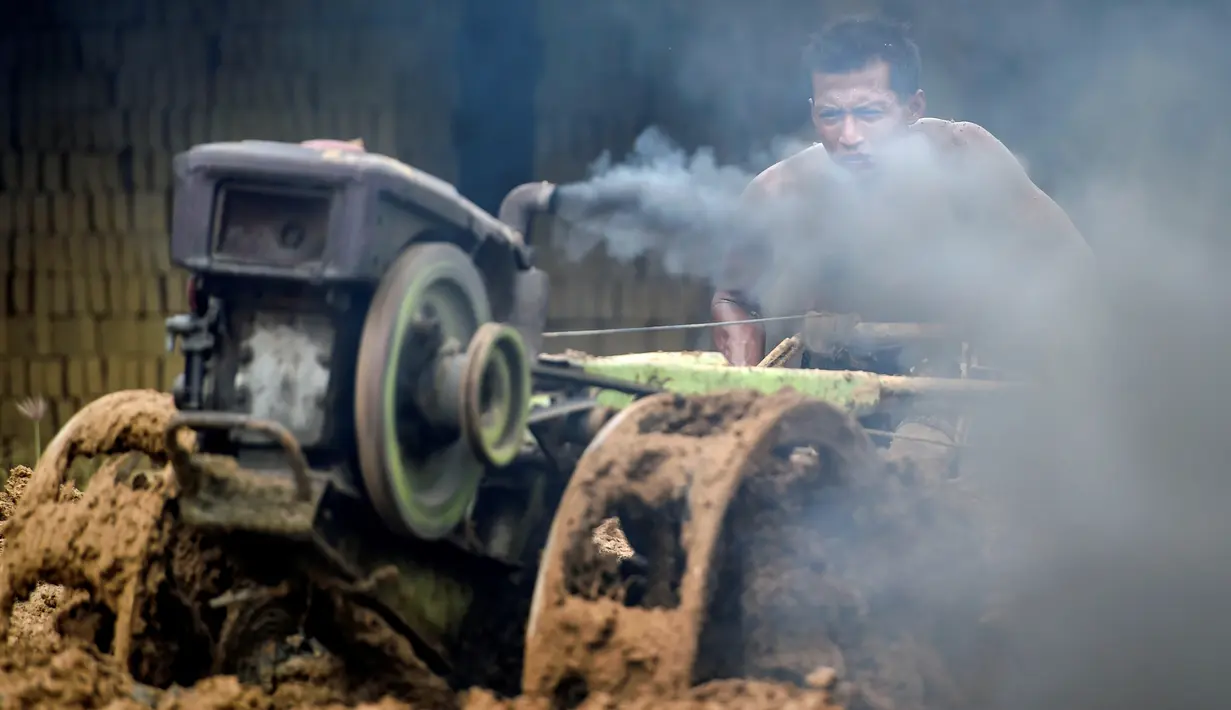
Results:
<point x="1114" y="478"/>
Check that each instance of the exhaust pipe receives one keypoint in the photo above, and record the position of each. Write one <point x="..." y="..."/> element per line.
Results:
<point x="532" y="288"/>
<point x="577" y="201"/>
<point x="525" y="201"/>
<point x="518" y="209"/>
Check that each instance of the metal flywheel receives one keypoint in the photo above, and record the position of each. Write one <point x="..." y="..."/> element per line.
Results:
<point x="440" y="392"/>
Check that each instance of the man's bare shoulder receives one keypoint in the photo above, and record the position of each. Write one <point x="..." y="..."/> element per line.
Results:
<point x="790" y="172"/>
<point x="961" y="137"/>
<point x="1032" y="205"/>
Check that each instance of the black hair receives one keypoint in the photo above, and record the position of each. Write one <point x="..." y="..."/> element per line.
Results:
<point x="852" y="43"/>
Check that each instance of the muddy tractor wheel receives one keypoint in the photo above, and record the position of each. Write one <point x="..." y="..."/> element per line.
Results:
<point x="691" y="480"/>
<point x="171" y="601"/>
<point x="117" y="423"/>
<point x="101" y="546"/>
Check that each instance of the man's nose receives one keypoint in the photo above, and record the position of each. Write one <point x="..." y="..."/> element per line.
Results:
<point x="851" y="136"/>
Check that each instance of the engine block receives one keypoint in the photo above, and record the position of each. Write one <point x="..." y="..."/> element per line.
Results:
<point x="286" y="245"/>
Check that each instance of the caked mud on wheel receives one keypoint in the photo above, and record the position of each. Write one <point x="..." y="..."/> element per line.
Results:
<point x="173" y="604"/>
<point x="687" y="477"/>
<point x="103" y="544"/>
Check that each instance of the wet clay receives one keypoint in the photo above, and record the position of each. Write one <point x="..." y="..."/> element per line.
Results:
<point x="751" y="695"/>
<point x="69" y="676"/>
<point x="117" y="549"/>
<point x="117" y="423"/>
<point x="14" y="488"/>
<point x="813" y="557"/>
<point x="829" y="558"/>
<point x="34" y="618"/>
<point x="95" y="549"/>
<point x="611" y="539"/>
<point x="667" y="468"/>
<point x="99" y="544"/>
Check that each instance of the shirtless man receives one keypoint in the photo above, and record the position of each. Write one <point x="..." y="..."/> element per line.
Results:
<point x="893" y="216"/>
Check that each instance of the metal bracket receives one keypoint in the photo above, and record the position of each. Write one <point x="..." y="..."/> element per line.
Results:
<point x="181" y="459"/>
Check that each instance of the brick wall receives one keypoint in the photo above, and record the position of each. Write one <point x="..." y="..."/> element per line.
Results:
<point x="721" y="77"/>
<point x="726" y="76"/>
<point x="98" y="97"/>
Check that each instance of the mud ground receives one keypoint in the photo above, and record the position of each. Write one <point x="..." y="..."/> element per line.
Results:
<point x="41" y="666"/>
<point x="86" y="579"/>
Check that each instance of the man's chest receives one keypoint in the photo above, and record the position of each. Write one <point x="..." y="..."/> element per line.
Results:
<point x="893" y="257"/>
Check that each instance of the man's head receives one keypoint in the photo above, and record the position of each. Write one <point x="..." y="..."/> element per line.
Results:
<point x="865" y="87"/>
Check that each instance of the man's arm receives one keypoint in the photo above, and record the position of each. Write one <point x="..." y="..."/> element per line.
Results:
<point x="744" y="344"/>
<point x="740" y="343"/>
<point x="1047" y="229"/>
<point x="1043" y="270"/>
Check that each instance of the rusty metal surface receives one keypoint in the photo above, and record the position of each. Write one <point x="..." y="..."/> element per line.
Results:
<point x="410" y="203"/>
<point x="189" y="475"/>
<point x="231" y="498"/>
<point x="272" y="225"/>
<point x="495" y="394"/>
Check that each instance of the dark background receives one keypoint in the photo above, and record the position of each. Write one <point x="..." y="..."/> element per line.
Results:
<point x="1103" y="101"/>
<point x="1118" y="109"/>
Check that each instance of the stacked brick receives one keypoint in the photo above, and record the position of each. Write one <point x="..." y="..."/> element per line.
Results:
<point x="99" y="95"/>
<point x="595" y="95"/>
<point x="95" y="110"/>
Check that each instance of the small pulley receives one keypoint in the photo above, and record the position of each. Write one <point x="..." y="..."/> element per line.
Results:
<point x="440" y="392"/>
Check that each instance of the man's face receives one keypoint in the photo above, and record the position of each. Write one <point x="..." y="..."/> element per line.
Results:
<point x="857" y="114"/>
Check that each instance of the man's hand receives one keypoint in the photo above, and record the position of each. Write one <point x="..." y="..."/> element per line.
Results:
<point x="743" y="344"/>
<point x="828" y="332"/>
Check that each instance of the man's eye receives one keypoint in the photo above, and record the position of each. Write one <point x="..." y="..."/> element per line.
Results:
<point x="869" y="114"/>
<point x="831" y="116"/>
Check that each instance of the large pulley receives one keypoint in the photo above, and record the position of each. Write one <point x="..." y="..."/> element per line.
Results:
<point x="440" y="391"/>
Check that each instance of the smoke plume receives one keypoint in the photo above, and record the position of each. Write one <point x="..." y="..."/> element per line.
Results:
<point x="659" y="199"/>
<point x="1112" y="478"/>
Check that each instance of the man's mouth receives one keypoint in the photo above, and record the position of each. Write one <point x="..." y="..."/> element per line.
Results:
<point x="855" y="160"/>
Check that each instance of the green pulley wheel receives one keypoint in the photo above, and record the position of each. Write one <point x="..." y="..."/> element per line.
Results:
<point x="420" y="470"/>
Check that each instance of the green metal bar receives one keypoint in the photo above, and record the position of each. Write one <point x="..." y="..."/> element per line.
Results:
<point x="699" y="373"/>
